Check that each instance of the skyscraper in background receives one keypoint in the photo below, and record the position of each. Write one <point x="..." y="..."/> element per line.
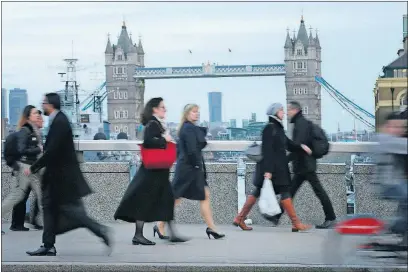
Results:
<point x="233" y="123"/>
<point x="17" y="101"/>
<point x="3" y="103"/>
<point x="215" y="106"/>
<point x="245" y="123"/>
<point x="253" y="117"/>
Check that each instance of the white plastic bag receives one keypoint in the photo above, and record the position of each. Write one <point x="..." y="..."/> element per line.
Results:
<point x="268" y="203"/>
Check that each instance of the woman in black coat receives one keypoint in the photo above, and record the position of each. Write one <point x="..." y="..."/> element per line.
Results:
<point x="275" y="167"/>
<point x="149" y="196"/>
<point x="29" y="148"/>
<point x="190" y="176"/>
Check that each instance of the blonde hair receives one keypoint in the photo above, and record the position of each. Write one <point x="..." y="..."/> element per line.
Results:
<point x="186" y="111"/>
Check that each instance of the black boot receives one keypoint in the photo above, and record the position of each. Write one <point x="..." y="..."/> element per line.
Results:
<point x="139" y="239"/>
<point x="328" y="224"/>
<point x="43" y="251"/>
<point x="276" y="218"/>
<point x="19" y="228"/>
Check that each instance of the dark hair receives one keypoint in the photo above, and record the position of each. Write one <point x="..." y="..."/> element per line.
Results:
<point x="54" y="100"/>
<point x="148" y="109"/>
<point x="24" y="116"/>
<point x="295" y="105"/>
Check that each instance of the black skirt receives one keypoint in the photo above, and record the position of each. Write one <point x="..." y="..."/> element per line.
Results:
<point x="149" y="197"/>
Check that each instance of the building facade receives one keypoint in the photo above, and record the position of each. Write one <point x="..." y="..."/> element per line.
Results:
<point x="125" y="94"/>
<point x="302" y="64"/>
<point x="3" y="103"/>
<point x="215" y="106"/>
<point x="390" y="89"/>
<point x="253" y="117"/>
<point x="17" y="101"/>
<point x="233" y="123"/>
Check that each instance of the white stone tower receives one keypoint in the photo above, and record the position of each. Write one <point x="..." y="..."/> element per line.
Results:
<point x="125" y="94"/>
<point x="303" y="63"/>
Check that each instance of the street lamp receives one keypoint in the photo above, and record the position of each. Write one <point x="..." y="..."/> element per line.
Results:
<point x="392" y="98"/>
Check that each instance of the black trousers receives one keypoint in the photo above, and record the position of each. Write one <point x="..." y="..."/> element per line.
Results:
<point x="73" y="212"/>
<point x="18" y="215"/>
<point x="318" y="189"/>
<point x="19" y="212"/>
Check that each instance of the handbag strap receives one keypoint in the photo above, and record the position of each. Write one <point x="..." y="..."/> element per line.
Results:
<point x="154" y="121"/>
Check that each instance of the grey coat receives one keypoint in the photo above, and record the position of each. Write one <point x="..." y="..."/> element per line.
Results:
<point x="390" y="172"/>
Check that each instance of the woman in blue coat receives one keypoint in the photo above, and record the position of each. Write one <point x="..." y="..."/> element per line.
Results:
<point x="190" y="176"/>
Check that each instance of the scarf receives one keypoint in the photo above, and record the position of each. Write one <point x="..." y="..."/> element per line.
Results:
<point x="276" y="118"/>
<point x="163" y="124"/>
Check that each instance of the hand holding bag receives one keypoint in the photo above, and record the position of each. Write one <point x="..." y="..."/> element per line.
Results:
<point x="268" y="203"/>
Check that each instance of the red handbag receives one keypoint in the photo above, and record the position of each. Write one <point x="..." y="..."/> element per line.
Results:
<point x="153" y="158"/>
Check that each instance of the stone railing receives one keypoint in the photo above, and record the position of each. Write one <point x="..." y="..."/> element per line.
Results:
<point x="229" y="183"/>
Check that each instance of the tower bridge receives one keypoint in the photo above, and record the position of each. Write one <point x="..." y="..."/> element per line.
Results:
<point x="126" y="75"/>
<point x="210" y="71"/>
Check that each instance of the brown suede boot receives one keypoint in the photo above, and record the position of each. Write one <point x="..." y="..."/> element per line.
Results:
<point x="290" y="210"/>
<point x="239" y="220"/>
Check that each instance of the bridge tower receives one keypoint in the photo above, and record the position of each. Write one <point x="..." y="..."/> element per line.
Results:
<point x="125" y="94"/>
<point x="302" y="64"/>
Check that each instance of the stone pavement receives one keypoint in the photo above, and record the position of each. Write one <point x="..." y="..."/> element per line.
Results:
<point x="263" y="249"/>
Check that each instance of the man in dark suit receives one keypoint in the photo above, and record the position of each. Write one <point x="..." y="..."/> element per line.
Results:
<point x="63" y="184"/>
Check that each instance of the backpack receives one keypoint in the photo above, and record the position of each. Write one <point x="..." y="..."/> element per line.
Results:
<point x="11" y="154"/>
<point x="320" y="143"/>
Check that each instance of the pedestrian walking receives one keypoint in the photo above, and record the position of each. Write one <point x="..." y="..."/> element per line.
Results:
<point x="274" y="166"/>
<point x="304" y="165"/>
<point x="190" y="177"/>
<point x="149" y="196"/>
<point x="63" y="184"/>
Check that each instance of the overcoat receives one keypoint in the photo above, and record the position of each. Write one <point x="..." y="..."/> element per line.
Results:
<point x="149" y="196"/>
<point x="190" y="175"/>
<point x="62" y="180"/>
<point x="275" y="143"/>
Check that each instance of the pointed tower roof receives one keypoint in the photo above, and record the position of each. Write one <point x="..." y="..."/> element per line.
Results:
<point x="311" y="40"/>
<point x="133" y="48"/>
<point x="109" y="49"/>
<point x="302" y="33"/>
<point x="140" y="47"/>
<point x="317" y="42"/>
<point x="130" y="38"/>
<point x="124" y="41"/>
<point x="288" y="42"/>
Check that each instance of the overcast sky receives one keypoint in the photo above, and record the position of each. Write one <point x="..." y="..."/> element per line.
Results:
<point x="357" y="40"/>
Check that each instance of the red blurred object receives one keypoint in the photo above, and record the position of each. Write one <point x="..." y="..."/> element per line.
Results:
<point x="159" y="158"/>
<point x="360" y="226"/>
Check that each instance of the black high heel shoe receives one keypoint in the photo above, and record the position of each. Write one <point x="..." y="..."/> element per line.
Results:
<point x="161" y="236"/>
<point x="214" y="234"/>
